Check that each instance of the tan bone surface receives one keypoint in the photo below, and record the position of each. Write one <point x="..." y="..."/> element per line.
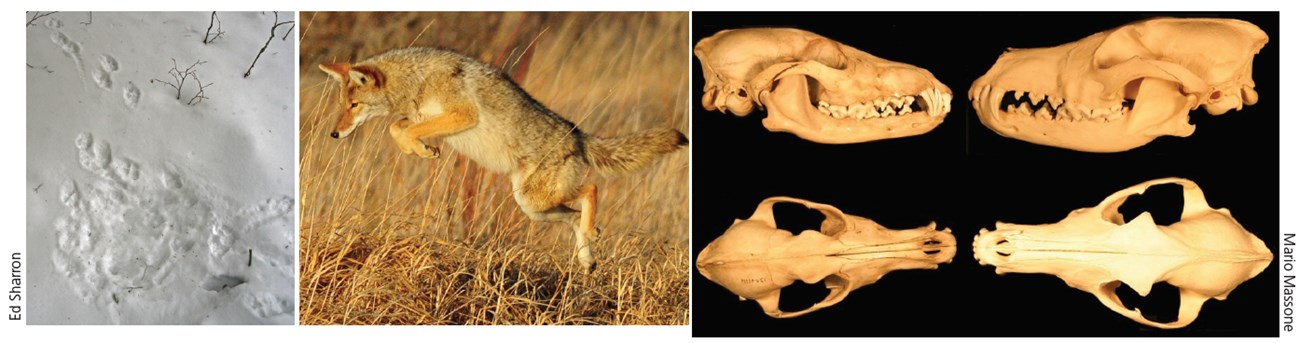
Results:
<point x="1122" y="88"/>
<point x="755" y="260"/>
<point x="1206" y="254"/>
<point x="817" y="88"/>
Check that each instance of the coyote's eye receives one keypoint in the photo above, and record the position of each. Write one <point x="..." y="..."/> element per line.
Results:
<point x="355" y="104"/>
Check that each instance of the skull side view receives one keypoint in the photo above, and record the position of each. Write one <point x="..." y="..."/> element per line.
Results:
<point x="1206" y="254"/>
<point x="1120" y="89"/>
<point x="858" y="97"/>
<point x="754" y="259"/>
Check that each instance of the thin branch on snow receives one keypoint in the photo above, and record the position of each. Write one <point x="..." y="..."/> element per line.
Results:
<point x="268" y="41"/>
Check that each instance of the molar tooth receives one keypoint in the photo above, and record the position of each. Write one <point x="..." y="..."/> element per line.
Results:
<point x="858" y="111"/>
<point x="871" y="111"/>
<point x="839" y="111"/>
<point x="888" y="111"/>
<point x="1055" y="101"/>
<point x="1019" y="93"/>
<point x="908" y="100"/>
<point x="895" y="102"/>
<point x="904" y="111"/>
<point x="1083" y="112"/>
<point x="1113" y="116"/>
<point x="1066" y="112"/>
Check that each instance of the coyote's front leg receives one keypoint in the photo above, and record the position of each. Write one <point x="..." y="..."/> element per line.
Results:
<point x="410" y="144"/>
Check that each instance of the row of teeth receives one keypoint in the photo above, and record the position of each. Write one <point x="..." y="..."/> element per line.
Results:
<point x="1048" y="107"/>
<point x="895" y="105"/>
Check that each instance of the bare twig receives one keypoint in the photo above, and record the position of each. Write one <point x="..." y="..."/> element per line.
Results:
<point x="198" y="96"/>
<point x="180" y="76"/>
<point x="39" y="15"/>
<point x="90" y="20"/>
<point x="286" y="32"/>
<point x="45" y="68"/>
<point x="268" y="41"/>
<point x="209" y="37"/>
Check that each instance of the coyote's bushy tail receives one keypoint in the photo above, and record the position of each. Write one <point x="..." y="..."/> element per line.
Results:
<point x="616" y="155"/>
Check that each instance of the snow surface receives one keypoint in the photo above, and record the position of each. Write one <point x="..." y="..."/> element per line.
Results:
<point x="145" y="209"/>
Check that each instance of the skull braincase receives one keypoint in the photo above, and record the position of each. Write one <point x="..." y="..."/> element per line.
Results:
<point x="1122" y="88"/>
<point x="817" y="88"/>
<point x="754" y="259"/>
<point x="1206" y="254"/>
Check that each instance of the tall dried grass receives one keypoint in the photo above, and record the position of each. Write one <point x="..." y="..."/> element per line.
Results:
<point x="395" y="239"/>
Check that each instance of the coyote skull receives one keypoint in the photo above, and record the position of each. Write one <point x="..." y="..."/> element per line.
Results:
<point x="754" y="259"/>
<point x="1206" y="254"/>
<point x="817" y="88"/>
<point x="1120" y="89"/>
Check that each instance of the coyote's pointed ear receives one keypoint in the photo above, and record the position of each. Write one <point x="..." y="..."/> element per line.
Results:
<point x="336" y="70"/>
<point x="367" y="76"/>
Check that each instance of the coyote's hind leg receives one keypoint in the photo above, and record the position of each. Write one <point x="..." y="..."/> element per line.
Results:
<point x="541" y="202"/>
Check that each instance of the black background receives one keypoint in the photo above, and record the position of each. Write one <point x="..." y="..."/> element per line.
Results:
<point x="966" y="177"/>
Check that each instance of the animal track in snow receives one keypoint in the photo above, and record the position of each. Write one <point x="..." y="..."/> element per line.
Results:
<point x="108" y="63"/>
<point x="267" y="305"/>
<point x="132" y="232"/>
<point x="70" y="48"/>
<point x="131" y="94"/>
<point x="102" y="79"/>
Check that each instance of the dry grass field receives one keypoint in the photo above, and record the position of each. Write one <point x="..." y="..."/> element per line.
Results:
<point x="389" y="238"/>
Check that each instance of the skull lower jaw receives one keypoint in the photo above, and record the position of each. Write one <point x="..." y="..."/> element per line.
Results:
<point x="1159" y="110"/>
<point x="791" y="110"/>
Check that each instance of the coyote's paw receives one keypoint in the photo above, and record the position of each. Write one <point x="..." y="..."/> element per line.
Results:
<point x="426" y="151"/>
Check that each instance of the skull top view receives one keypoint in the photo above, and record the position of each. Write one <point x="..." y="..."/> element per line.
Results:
<point x="1206" y="254"/>
<point x="817" y="88"/>
<point x="1122" y="88"/>
<point x="755" y="260"/>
